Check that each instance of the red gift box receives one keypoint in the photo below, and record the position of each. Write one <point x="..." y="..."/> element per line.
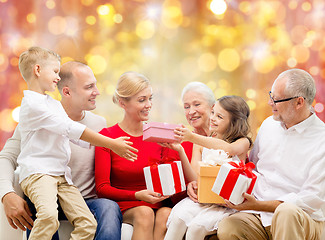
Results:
<point x="233" y="180"/>
<point x="166" y="179"/>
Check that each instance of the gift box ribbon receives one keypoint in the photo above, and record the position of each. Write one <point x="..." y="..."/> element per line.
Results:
<point x="153" y="163"/>
<point x="240" y="168"/>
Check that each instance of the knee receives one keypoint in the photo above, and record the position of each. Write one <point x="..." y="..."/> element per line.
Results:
<point x="286" y="212"/>
<point x="228" y="226"/>
<point x="287" y="209"/>
<point x="105" y="207"/>
<point x="162" y="215"/>
<point x="90" y="224"/>
<point x="49" y="217"/>
<point x="86" y="222"/>
<point x="144" y="216"/>
<point x="196" y="230"/>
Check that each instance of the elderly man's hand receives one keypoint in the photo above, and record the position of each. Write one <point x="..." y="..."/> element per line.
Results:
<point x="251" y="203"/>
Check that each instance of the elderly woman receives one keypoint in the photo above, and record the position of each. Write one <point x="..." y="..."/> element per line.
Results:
<point x="122" y="180"/>
<point x="198" y="100"/>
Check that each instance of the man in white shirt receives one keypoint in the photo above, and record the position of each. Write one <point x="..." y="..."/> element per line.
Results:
<point x="289" y="154"/>
<point x="78" y="90"/>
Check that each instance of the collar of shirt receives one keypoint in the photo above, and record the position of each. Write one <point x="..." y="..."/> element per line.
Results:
<point x="35" y="95"/>
<point x="302" y="126"/>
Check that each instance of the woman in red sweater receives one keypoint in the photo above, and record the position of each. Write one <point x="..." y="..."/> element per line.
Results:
<point x="122" y="180"/>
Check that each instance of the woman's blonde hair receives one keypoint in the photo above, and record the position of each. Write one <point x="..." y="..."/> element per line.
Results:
<point x="34" y="55"/>
<point x="129" y="84"/>
<point x="239" y="112"/>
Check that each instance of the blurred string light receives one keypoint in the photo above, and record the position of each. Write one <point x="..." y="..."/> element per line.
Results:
<point x="15" y="114"/>
<point x="251" y="93"/>
<point x="218" y="7"/>
<point x="235" y="47"/>
<point x="319" y="107"/>
<point x="154" y="11"/>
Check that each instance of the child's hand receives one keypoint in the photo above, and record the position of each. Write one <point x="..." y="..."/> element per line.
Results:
<point x="192" y="191"/>
<point x="123" y="148"/>
<point x="183" y="134"/>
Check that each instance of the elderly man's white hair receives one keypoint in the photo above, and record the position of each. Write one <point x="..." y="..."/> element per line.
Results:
<point x="299" y="83"/>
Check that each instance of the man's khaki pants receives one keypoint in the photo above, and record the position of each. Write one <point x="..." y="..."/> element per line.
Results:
<point x="43" y="190"/>
<point x="289" y="222"/>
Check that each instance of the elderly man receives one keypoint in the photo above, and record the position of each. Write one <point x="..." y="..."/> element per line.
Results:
<point x="289" y="154"/>
<point x="78" y="90"/>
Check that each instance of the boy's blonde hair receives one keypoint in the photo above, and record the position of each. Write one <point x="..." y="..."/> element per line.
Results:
<point x="32" y="56"/>
<point x="129" y="84"/>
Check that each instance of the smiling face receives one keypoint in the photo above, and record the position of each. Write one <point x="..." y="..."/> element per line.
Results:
<point x="49" y="75"/>
<point x="138" y="107"/>
<point x="282" y="111"/>
<point x="197" y="110"/>
<point x="83" y="88"/>
<point x="219" y="120"/>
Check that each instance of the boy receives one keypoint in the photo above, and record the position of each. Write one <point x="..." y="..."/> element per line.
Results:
<point x="45" y="132"/>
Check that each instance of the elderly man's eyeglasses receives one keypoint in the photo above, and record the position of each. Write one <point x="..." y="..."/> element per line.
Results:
<point x="281" y="100"/>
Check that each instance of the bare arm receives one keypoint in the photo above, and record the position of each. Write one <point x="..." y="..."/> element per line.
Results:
<point x="189" y="173"/>
<point x="119" y="145"/>
<point x="239" y="147"/>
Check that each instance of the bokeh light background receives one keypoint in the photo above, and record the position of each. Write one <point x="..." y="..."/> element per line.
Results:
<point x="234" y="46"/>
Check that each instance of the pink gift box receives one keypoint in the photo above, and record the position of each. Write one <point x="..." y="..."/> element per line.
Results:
<point x="159" y="132"/>
<point x="233" y="180"/>
<point x="166" y="179"/>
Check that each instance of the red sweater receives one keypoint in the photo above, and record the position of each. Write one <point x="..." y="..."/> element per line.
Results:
<point x="119" y="179"/>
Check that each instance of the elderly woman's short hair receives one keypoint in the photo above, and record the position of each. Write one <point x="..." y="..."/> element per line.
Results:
<point x="201" y="88"/>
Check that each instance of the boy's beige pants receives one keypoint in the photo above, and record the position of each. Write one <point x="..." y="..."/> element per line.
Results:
<point x="43" y="190"/>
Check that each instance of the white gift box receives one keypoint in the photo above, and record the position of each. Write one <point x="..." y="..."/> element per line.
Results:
<point x="166" y="179"/>
<point x="231" y="184"/>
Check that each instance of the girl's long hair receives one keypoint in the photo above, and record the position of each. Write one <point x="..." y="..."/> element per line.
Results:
<point x="239" y="111"/>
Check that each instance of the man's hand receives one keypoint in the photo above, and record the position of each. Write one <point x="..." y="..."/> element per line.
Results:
<point x="192" y="191"/>
<point x="17" y="211"/>
<point x="251" y="203"/>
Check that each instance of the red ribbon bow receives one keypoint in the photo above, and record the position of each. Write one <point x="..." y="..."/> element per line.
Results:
<point x="241" y="168"/>
<point x="156" y="181"/>
<point x="156" y="161"/>
<point x="244" y="169"/>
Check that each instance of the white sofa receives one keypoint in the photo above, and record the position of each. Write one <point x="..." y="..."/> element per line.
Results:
<point x="8" y="233"/>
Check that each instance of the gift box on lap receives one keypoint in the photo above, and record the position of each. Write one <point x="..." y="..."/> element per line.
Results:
<point x="233" y="180"/>
<point x="159" y="132"/>
<point x="206" y="177"/>
<point x="166" y="179"/>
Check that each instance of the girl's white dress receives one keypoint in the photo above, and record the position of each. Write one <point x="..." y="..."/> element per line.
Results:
<point x="203" y="214"/>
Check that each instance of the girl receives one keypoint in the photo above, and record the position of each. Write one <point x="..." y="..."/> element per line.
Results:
<point x="229" y="131"/>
